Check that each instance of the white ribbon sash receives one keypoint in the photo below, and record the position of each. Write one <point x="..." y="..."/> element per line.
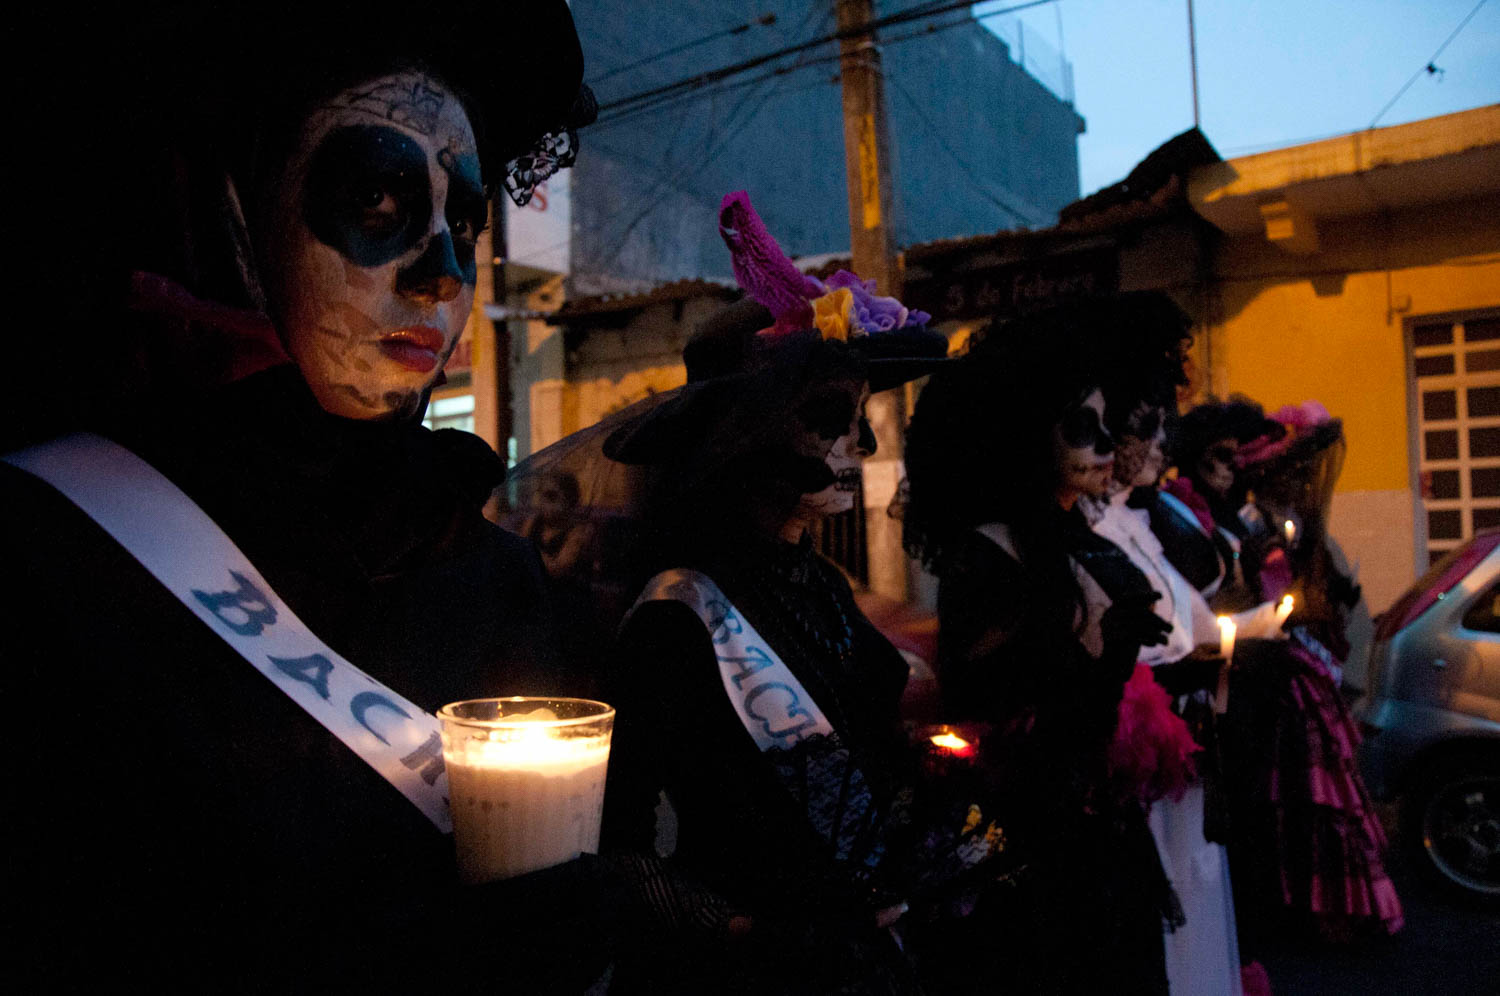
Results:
<point x="188" y="553"/>
<point x="771" y="703"/>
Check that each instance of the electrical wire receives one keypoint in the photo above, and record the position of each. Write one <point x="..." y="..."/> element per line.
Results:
<point x="1430" y="66"/>
<point x="764" y="20"/>
<point x="729" y="128"/>
<point x="734" y="69"/>
<point x="980" y="187"/>
<point x="680" y="98"/>
<point x="683" y="97"/>
<point x="667" y="172"/>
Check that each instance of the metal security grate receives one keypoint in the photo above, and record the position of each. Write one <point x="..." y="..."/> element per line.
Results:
<point x="842" y="540"/>
<point x="1455" y="365"/>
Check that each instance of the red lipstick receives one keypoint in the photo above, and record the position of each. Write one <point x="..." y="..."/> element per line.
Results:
<point x="415" y="348"/>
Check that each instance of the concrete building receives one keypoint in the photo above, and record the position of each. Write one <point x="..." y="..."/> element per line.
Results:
<point x="1364" y="271"/>
<point x="978" y="143"/>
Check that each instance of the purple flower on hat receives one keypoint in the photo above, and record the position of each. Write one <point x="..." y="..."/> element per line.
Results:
<point x="872" y="312"/>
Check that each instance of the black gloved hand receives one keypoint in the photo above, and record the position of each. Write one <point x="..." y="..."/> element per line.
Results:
<point x="1129" y="624"/>
<point x="554" y="930"/>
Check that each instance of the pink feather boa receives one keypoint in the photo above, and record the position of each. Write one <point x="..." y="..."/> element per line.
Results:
<point x="1151" y="756"/>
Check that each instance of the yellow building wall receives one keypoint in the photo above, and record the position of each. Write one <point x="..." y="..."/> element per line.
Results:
<point x="1330" y="326"/>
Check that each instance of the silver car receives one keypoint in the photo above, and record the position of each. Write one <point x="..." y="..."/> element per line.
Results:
<point x="1431" y="718"/>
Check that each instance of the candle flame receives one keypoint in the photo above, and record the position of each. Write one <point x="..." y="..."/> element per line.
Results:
<point x="950" y="740"/>
<point x="1287" y="603"/>
<point x="1226" y="624"/>
<point x="1291" y="530"/>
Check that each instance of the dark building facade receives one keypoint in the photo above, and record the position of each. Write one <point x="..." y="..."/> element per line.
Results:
<point x="978" y="144"/>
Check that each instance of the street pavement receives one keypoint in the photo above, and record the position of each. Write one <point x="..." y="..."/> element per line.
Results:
<point x="1446" y="948"/>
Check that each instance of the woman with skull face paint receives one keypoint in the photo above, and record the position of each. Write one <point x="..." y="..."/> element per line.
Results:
<point x="1306" y="846"/>
<point x="292" y="264"/>
<point x="1139" y="342"/>
<point x="753" y="694"/>
<point x="1041" y="624"/>
<point x="1208" y="500"/>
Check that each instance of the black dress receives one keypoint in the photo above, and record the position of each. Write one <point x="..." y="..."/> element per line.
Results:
<point x="1086" y="911"/>
<point x="753" y="829"/>
<point x="179" y="815"/>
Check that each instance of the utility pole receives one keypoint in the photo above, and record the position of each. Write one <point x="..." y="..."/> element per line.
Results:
<point x="500" y="255"/>
<point x="872" y="244"/>
<point x="866" y="149"/>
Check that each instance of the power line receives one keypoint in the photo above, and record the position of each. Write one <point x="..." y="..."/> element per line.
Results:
<point x="968" y="170"/>
<point x="668" y="173"/>
<point x="678" y="95"/>
<point x="734" y="69"/>
<point x="678" y="99"/>
<point x="681" y="97"/>
<point x="764" y="20"/>
<point x="729" y="127"/>
<point x="1431" y="66"/>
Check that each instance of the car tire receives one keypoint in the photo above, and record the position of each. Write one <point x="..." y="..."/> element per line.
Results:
<point x="1451" y="827"/>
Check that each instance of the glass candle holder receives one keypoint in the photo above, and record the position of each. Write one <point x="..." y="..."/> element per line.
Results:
<point x="525" y="781"/>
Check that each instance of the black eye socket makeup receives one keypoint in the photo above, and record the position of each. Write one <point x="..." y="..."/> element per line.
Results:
<point x="1144" y="424"/>
<point x="1222" y="453"/>
<point x="367" y="193"/>
<point x="466" y="208"/>
<point x="1082" y="427"/>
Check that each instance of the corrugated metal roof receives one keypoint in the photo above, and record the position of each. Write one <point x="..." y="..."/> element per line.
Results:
<point x="677" y="290"/>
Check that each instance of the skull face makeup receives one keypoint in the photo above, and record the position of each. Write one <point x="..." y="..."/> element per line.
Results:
<point x="835" y="431"/>
<point x="1216" y="466"/>
<point x="1083" y="451"/>
<point x="1139" y="459"/>
<point x="369" y="243"/>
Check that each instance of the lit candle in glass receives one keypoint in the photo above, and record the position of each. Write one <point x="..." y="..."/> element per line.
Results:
<point x="945" y="748"/>
<point x="1291" y="531"/>
<point x="525" y="782"/>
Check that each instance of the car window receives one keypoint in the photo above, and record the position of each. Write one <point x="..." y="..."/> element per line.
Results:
<point x="1484" y="614"/>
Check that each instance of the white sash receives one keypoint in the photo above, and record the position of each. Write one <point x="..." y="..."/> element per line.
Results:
<point x="771" y="703"/>
<point x="173" y="539"/>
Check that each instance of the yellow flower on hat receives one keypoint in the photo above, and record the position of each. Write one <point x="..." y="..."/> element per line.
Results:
<point x="832" y="314"/>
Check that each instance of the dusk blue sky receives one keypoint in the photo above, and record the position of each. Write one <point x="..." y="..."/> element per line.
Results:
<point x="1270" y="72"/>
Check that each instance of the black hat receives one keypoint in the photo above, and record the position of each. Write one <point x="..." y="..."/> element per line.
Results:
<point x="224" y="71"/>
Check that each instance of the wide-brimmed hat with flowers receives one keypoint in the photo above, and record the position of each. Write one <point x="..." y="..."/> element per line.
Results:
<point x="894" y="340"/>
<point x="746" y="361"/>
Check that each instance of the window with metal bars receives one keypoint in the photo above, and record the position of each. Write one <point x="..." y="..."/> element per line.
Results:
<point x="1455" y="375"/>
